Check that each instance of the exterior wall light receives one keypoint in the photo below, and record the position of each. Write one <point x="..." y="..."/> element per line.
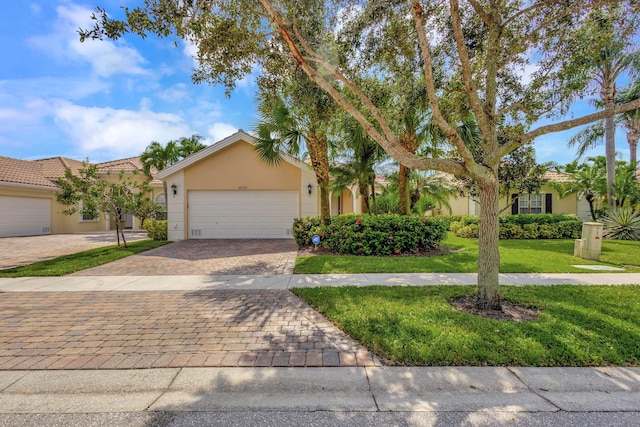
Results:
<point x="309" y="188"/>
<point x="174" y="188"/>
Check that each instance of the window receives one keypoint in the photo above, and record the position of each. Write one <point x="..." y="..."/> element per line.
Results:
<point x="86" y="217"/>
<point x="530" y="204"/>
<point x="162" y="201"/>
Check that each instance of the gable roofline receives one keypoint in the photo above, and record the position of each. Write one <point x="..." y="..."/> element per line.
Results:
<point x="218" y="146"/>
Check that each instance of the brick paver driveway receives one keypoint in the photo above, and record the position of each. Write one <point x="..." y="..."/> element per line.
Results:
<point x="108" y="330"/>
<point x="204" y="257"/>
<point x="16" y="251"/>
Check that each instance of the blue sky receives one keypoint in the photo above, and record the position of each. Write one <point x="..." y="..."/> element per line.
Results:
<point x="104" y="100"/>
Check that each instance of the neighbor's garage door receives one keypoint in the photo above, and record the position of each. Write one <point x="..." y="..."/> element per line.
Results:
<point x="241" y="214"/>
<point x="24" y="216"/>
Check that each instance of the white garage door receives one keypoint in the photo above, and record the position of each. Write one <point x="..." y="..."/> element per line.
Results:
<point x="242" y="214"/>
<point x="24" y="216"/>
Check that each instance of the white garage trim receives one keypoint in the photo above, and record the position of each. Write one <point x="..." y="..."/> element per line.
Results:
<point x="24" y="216"/>
<point x="248" y="214"/>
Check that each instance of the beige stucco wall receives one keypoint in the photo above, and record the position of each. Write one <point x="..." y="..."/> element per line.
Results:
<point x="237" y="167"/>
<point x="463" y="206"/>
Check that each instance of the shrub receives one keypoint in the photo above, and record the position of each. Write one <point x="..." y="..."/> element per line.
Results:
<point x="622" y="224"/>
<point x="156" y="230"/>
<point x="511" y="231"/>
<point x="374" y="234"/>
<point x="468" y="231"/>
<point x="568" y="229"/>
<point x="454" y="226"/>
<point x="305" y="228"/>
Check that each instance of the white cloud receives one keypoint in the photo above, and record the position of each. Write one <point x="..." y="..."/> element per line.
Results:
<point x="175" y="93"/>
<point x="107" y="133"/>
<point x="221" y="130"/>
<point x="105" y="57"/>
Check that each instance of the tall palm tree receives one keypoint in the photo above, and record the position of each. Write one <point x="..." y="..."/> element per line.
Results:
<point x="592" y="136"/>
<point x="608" y="40"/>
<point x="280" y="130"/>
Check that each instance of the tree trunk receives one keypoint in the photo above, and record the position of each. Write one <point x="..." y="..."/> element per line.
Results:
<point x="364" y="198"/>
<point x="404" y="207"/>
<point x="319" y="156"/>
<point x="632" y="139"/>
<point x="608" y="94"/>
<point x="488" y="239"/>
<point x="410" y="143"/>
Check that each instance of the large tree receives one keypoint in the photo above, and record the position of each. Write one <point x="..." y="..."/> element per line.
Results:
<point x="471" y="52"/>
<point x="295" y="114"/>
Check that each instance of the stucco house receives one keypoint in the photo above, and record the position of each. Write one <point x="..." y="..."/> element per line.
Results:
<point x="547" y="200"/>
<point x="224" y="191"/>
<point x="28" y="204"/>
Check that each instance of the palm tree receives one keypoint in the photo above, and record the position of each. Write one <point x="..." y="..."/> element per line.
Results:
<point x="363" y="155"/>
<point x="604" y="34"/>
<point x="591" y="136"/>
<point x="587" y="180"/>
<point x="157" y="157"/>
<point x="188" y="146"/>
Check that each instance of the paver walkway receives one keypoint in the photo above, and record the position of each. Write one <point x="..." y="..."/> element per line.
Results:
<point x="123" y="330"/>
<point x="17" y="251"/>
<point x="206" y="257"/>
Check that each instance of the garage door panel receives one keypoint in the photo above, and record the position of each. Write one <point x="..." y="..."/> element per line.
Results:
<point x="24" y="216"/>
<point x="242" y="214"/>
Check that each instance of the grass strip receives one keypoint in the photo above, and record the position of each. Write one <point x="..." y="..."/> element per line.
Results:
<point x="516" y="256"/>
<point x="68" y="264"/>
<point x="416" y="326"/>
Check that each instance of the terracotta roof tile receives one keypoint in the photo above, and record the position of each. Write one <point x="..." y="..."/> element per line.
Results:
<point x="54" y="167"/>
<point x="23" y="172"/>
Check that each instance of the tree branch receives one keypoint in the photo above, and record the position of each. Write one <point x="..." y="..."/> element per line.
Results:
<point x="449" y="131"/>
<point x="467" y="74"/>
<point x="480" y="11"/>
<point x="567" y="124"/>
<point x="391" y="145"/>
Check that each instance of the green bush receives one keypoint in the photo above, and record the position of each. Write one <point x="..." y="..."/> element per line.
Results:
<point x="156" y="230"/>
<point x="622" y="224"/>
<point x="522" y="229"/>
<point x="373" y="234"/>
<point x="305" y="228"/>
<point x="468" y="231"/>
<point x="454" y="226"/>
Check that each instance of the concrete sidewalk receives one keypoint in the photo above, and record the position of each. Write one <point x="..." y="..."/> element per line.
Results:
<point x="278" y="282"/>
<point x="500" y="395"/>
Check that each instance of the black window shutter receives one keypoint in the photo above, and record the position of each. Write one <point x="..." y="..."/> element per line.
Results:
<point x="548" y="203"/>
<point x="514" y="204"/>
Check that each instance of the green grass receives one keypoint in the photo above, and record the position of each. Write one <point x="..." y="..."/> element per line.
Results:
<point x="516" y="256"/>
<point x="578" y="325"/>
<point x="79" y="261"/>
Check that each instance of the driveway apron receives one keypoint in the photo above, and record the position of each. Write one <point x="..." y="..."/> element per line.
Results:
<point x="17" y="251"/>
<point x="131" y="330"/>
<point x="203" y="257"/>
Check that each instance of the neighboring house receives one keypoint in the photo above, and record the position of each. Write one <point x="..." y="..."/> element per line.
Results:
<point x="225" y="191"/>
<point x="28" y="203"/>
<point x="546" y="200"/>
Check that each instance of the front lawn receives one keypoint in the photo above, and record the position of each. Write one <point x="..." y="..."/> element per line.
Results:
<point x="81" y="260"/>
<point x="516" y="256"/>
<point x="578" y="325"/>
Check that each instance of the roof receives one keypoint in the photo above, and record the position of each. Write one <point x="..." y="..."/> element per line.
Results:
<point x="54" y="167"/>
<point x="555" y="176"/>
<point x="23" y="172"/>
<point x="128" y="164"/>
<point x="218" y="146"/>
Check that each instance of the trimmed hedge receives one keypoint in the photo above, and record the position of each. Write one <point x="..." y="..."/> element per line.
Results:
<point x="372" y="234"/>
<point x="156" y="230"/>
<point x="568" y="229"/>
